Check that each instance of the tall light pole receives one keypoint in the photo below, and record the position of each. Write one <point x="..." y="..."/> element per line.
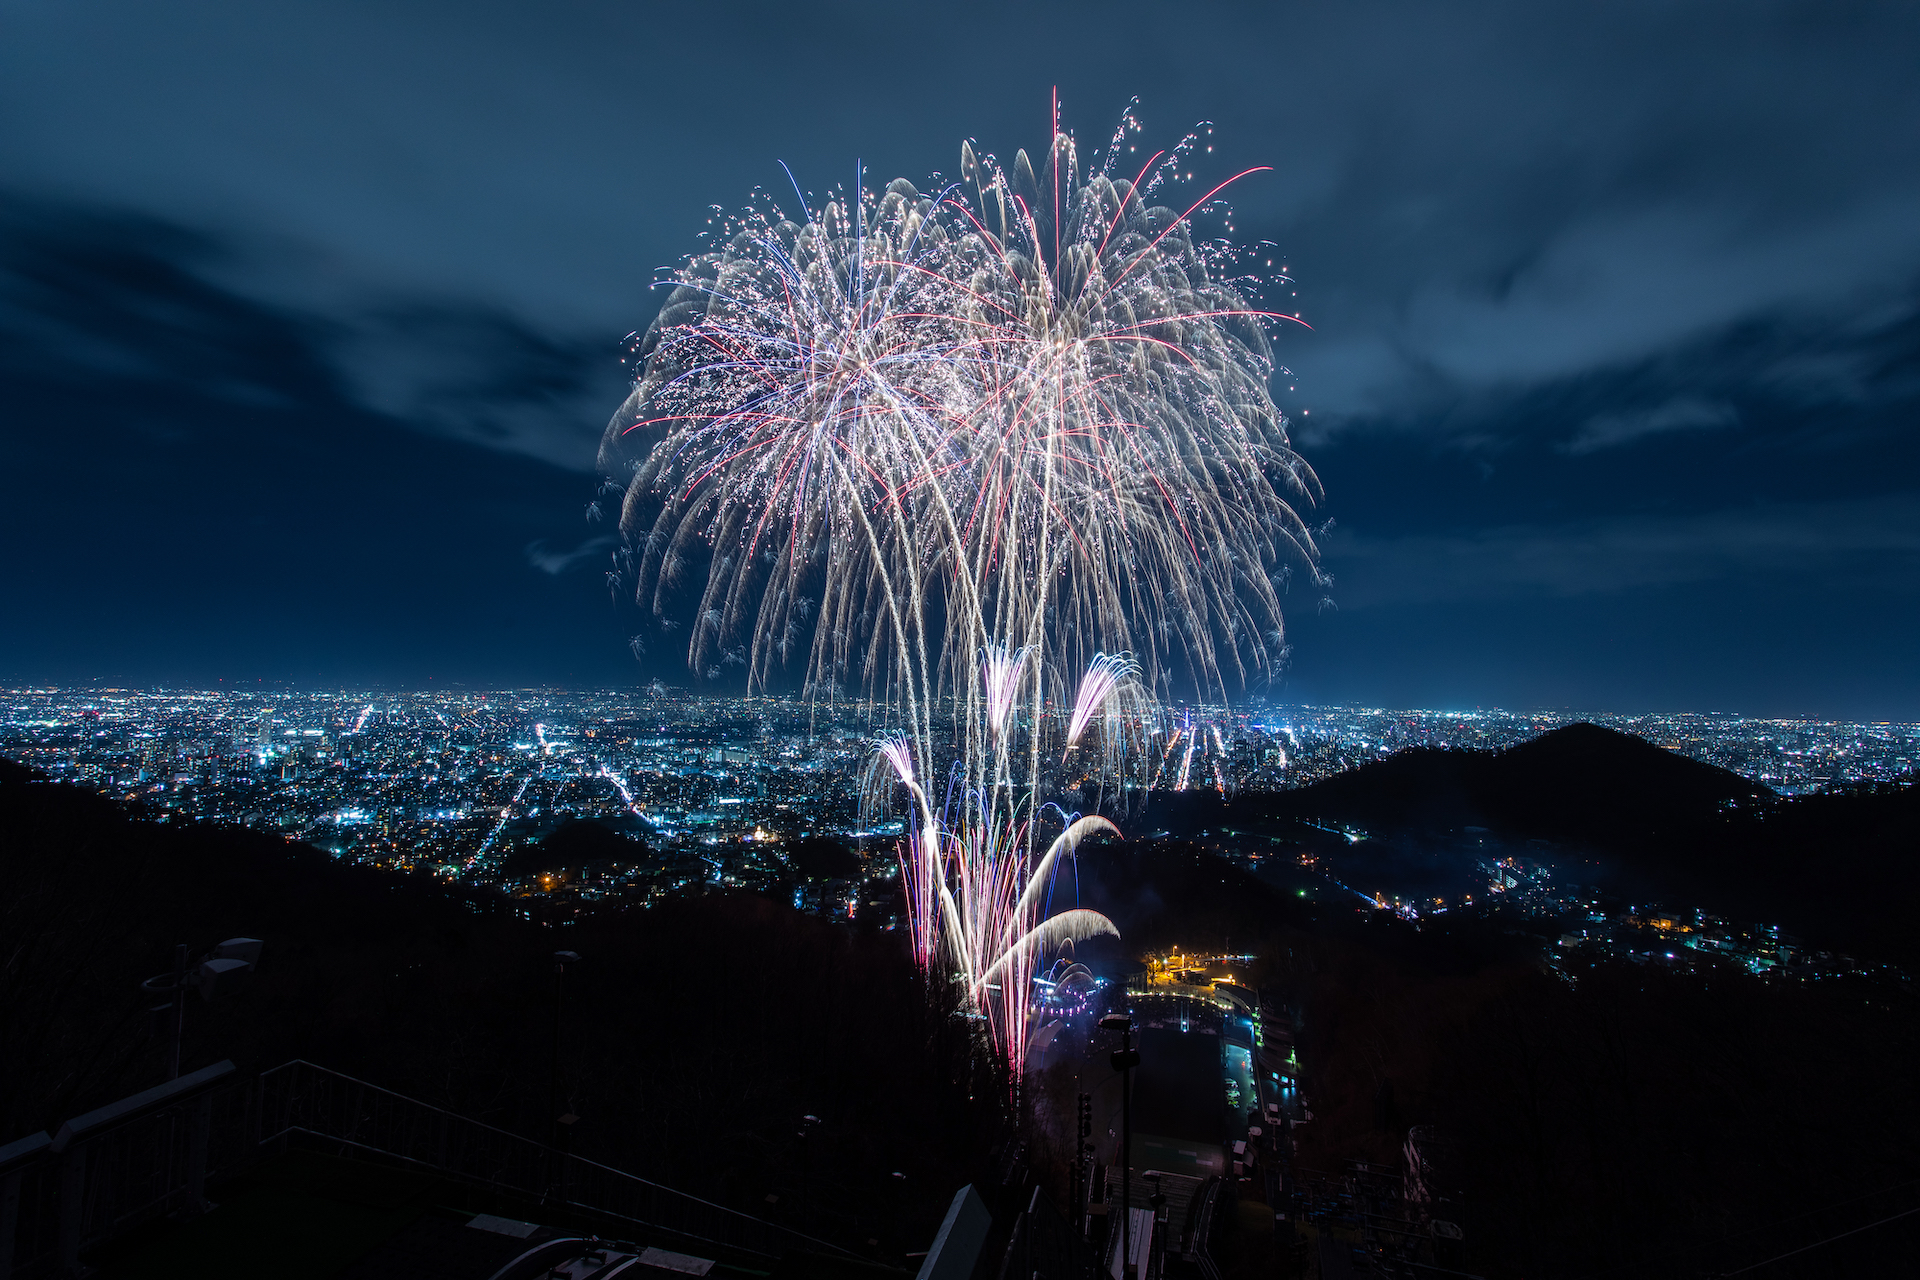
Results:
<point x="561" y="959"/>
<point x="1124" y="1060"/>
<point x="1082" y="1164"/>
<point x="231" y="959"/>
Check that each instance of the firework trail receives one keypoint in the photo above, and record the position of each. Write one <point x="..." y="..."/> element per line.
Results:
<point x="922" y="861"/>
<point x="1186" y="761"/>
<point x="977" y="900"/>
<point x="950" y="447"/>
<point x="1000" y="680"/>
<point x="1105" y="677"/>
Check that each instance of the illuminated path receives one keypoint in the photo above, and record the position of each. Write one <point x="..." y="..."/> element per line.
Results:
<point x="505" y="813"/>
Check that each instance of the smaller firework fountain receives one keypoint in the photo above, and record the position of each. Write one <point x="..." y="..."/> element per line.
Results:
<point x="978" y="902"/>
<point x="979" y="891"/>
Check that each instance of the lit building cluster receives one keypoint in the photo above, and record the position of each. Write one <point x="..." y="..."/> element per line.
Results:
<point x="1697" y="940"/>
<point x="1276" y="747"/>
<point x="457" y="783"/>
<point x="713" y="790"/>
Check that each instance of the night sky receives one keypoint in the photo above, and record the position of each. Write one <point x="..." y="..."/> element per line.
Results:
<point x="310" y="319"/>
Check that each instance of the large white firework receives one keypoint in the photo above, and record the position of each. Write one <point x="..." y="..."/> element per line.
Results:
<point x="956" y="449"/>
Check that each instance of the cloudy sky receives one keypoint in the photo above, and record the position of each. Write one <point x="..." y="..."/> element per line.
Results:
<point x="310" y="318"/>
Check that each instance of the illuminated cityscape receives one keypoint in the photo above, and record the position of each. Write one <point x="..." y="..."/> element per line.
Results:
<point x="454" y="783"/>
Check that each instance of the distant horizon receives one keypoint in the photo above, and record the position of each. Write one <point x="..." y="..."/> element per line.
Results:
<point x="642" y="686"/>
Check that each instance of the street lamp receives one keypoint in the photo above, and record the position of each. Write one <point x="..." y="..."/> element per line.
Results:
<point x="561" y="959"/>
<point x="1124" y="1060"/>
<point x="213" y="972"/>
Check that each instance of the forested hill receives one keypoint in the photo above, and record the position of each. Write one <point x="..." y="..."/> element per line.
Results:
<point x="1582" y="783"/>
<point x="1841" y="868"/>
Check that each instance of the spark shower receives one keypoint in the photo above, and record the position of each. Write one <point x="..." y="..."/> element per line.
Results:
<point x="1004" y="458"/>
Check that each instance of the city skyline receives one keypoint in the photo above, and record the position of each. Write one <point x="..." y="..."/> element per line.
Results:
<point x="129" y="742"/>
<point x="571" y="802"/>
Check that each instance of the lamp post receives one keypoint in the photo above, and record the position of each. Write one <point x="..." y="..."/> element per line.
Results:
<point x="1124" y="1060"/>
<point x="1082" y="1165"/>
<point x="561" y="959"/>
<point x="229" y="960"/>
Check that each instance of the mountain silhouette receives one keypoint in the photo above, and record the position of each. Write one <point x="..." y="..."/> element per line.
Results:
<point x="1842" y="868"/>
<point x="1582" y="784"/>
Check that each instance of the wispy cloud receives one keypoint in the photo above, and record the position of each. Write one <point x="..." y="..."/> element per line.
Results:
<point x="558" y="562"/>
<point x="1683" y="413"/>
<point x="90" y="294"/>
<point x="478" y="375"/>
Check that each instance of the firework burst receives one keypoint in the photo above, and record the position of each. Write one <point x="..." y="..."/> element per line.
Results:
<point x="949" y="447"/>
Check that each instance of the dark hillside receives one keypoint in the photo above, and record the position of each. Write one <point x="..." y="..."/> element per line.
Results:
<point x="1419" y="789"/>
<point x="1842" y="871"/>
<point x="1633" y="1121"/>
<point x="1583" y="784"/>
<point x="1722" y="1118"/>
<point x="699" y="1032"/>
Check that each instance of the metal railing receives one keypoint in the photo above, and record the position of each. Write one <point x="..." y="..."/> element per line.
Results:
<point x="107" y="1170"/>
<point x="1200" y="1229"/>
<point x="24" y="1196"/>
<point x="303" y="1099"/>
<point x="1044" y="1244"/>
<point x="153" y="1153"/>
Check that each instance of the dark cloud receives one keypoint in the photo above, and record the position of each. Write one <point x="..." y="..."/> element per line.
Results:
<point x="193" y="494"/>
<point x="1873" y="542"/>
<point x="483" y="377"/>
<point x="1479" y="197"/>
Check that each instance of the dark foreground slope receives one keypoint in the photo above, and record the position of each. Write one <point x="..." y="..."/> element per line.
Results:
<point x="698" y="1034"/>
<point x="1619" y="1120"/>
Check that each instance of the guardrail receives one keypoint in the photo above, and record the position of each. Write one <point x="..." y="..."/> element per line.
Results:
<point x="1200" y="1229"/>
<point x="102" y="1172"/>
<point x="1043" y="1243"/>
<point x="299" y="1098"/>
<point x="153" y="1153"/>
<point x="22" y="1167"/>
